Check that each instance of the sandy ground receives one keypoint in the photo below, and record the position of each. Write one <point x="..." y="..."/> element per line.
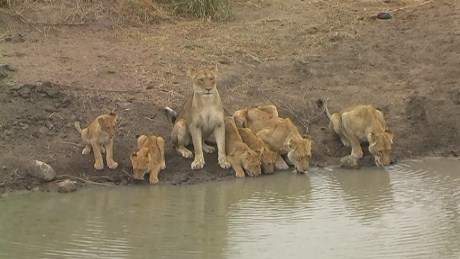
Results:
<point x="289" y="53"/>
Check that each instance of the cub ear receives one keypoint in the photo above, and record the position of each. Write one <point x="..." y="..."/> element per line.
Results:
<point x="134" y="154"/>
<point x="214" y="68"/>
<point x="371" y="137"/>
<point x="101" y="121"/>
<point x="137" y="136"/>
<point x="390" y="135"/>
<point x="191" y="72"/>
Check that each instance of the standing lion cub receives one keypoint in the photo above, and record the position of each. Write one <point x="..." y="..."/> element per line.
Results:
<point x="99" y="137"/>
<point x="201" y="116"/>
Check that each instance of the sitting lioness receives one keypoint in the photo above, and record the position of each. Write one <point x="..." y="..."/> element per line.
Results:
<point x="267" y="156"/>
<point x="201" y="116"/>
<point x="149" y="158"/>
<point x="240" y="155"/>
<point x="99" y="137"/>
<point x="279" y="134"/>
<point x="361" y="123"/>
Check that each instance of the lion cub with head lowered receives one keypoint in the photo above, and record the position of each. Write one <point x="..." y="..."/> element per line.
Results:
<point x="241" y="157"/>
<point x="150" y="157"/>
<point x="201" y="116"/>
<point x="358" y="124"/>
<point x="99" y="137"/>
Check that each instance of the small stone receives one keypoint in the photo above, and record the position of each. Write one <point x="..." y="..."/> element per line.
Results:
<point x="67" y="186"/>
<point x="384" y="15"/>
<point x="40" y="170"/>
<point x="43" y="129"/>
<point x="51" y="92"/>
<point x="4" y="167"/>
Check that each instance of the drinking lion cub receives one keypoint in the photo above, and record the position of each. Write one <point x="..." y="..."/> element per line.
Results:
<point x="201" y="116"/>
<point x="150" y="157"/>
<point x="361" y="123"/>
<point x="99" y="137"/>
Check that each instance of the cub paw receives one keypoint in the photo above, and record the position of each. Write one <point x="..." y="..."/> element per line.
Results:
<point x="349" y="162"/>
<point x="186" y="153"/>
<point x="86" y="151"/>
<point x="223" y="163"/>
<point x="163" y="165"/>
<point x="154" y="181"/>
<point x="282" y="166"/>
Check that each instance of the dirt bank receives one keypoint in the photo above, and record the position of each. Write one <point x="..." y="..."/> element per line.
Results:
<point x="284" y="52"/>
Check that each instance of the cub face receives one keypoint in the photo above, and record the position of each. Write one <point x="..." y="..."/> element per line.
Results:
<point x="380" y="146"/>
<point x="140" y="163"/>
<point x="204" y="80"/>
<point x="251" y="162"/>
<point x="108" y="124"/>
<point x="300" y="154"/>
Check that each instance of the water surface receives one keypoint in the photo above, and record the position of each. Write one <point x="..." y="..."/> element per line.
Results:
<point x="410" y="210"/>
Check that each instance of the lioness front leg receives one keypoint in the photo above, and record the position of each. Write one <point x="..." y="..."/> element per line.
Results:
<point x="280" y="164"/>
<point x="109" y="155"/>
<point x="219" y="132"/>
<point x="198" y="163"/>
<point x="98" y="162"/>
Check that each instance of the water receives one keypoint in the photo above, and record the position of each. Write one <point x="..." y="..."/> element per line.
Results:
<point x="410" y="210"/>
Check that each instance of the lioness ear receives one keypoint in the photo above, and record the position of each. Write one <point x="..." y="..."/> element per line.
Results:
<point x="101" y="121"/>
<point x="214" y="68"/>
<point x="137" y="136"/>
<point x="371" y="138"/>
<point x="191" y="72"/>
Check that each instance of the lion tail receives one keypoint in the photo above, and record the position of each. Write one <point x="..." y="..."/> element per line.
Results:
<point x="323" y="105"/>
<point x="77" y="126"/>
<point x="171" y="114"/>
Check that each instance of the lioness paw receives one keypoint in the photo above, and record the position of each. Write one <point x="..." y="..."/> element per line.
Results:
<point x="281" y="166"/>
<point x="86" y="150"/>
<point x="208" y="149"/>
<point x="99" y="165"/>
<point x="197" y="164"/>
<point x="112" y="165"/>
<point x="224" y="163"/>
<point x="163" y="165"/>
<point x="154" y="181"/>
<point x="186" y="153"/>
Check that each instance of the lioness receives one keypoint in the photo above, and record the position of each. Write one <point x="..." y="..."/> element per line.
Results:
<point x="279" y="134"/>
<point x="358" y="124"/>
<point x="240" y="155"/>
<point x="267" y="156"/>
<point x="99" y="136"/>
<point x="150" y="157"/>
<point x="201" y="116"/>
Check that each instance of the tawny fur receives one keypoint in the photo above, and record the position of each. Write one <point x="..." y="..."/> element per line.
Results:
<point x="240" y="156"/>
<point x="150" y="158"/>
<point x="201" y="116"/>
<point x="98" y="136"/>
<point x="280" y="134"/>
<point x="267" y="156"/>
<point x="362" y="123"/>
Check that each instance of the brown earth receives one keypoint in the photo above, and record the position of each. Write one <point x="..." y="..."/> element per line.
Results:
<point x="289" y="53"/>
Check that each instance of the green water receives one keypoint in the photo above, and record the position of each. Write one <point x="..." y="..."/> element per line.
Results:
<point x="410" y="210"/>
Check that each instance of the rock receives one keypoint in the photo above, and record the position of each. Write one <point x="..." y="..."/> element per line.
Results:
<point x="40" y="170"/>
<point x="43" y="129"/>
<point x="51" y="92"/>
<point x="67" y="186"/>
<point x="25" y="90"/>
<point x="384" y="15"/>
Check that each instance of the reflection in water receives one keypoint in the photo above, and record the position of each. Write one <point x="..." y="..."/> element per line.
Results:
<point x="406" y="211"/>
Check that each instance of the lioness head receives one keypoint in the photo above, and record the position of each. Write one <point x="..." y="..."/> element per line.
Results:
<point x="380" y="146"/>
<point x="204" y="80"/>
<point x="300" y="153"/>
<point x="268" y="160"/>
<point x="140" y="162"/>
<point x="108" y="123"/>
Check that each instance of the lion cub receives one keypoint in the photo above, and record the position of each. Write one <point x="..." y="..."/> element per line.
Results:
<point x="99" y="137"/>
<point x="240" y="155"/>
<point x="201" y="116"/>
<point x="280" y="134"/>
<point x="361" y="123"/>
<point x="150" y="157"/>
<point x="268" y="157"/>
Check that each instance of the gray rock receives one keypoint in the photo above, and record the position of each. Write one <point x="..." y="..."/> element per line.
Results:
<point x="40" y="170"/>
<point x="67" y="186"/>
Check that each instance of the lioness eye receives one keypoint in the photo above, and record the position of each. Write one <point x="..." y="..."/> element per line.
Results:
<point x="201" y="79"/>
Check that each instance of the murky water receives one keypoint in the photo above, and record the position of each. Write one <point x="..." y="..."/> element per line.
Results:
<point x="411" y="210"/>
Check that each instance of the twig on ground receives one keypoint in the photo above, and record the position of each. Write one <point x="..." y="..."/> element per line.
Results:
<point x="71" y="143"/>
<point x="124" y="171"/>
<point x="410" y="6"/>
<point x="81" y="179"/>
